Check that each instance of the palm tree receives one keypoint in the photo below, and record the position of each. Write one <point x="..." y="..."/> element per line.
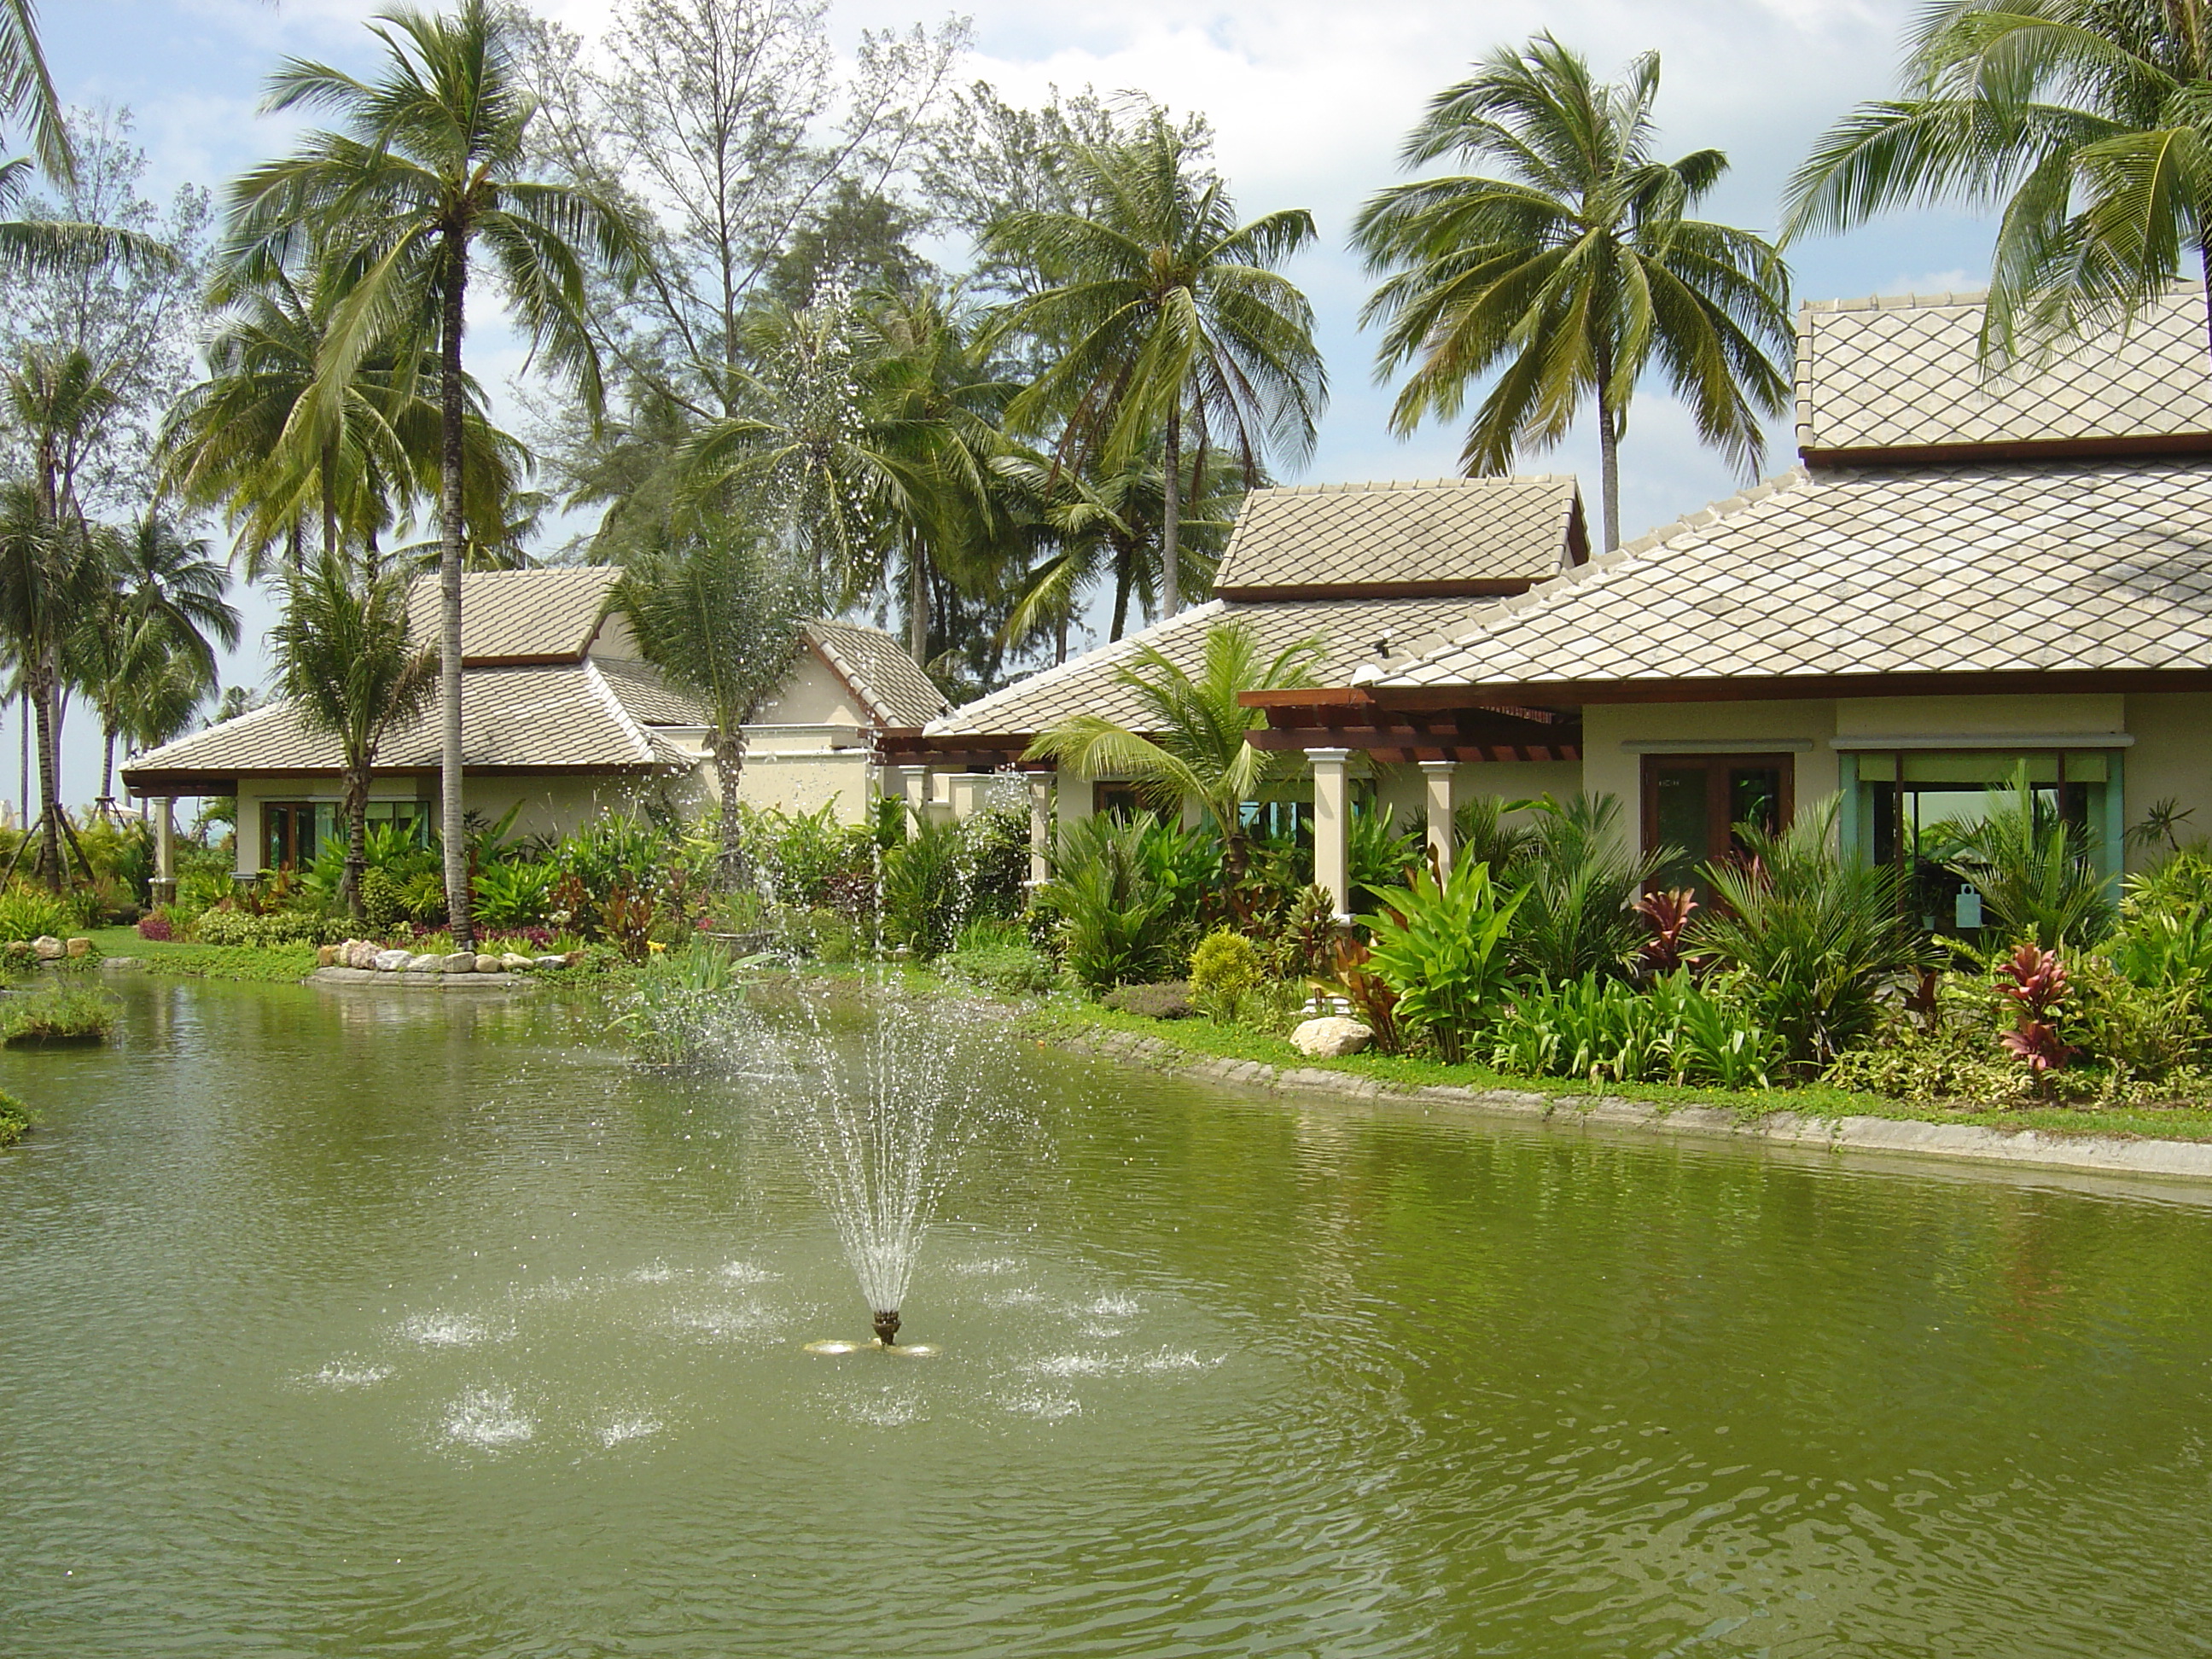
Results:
<point x="159" y="617"/>
<point x="247" y="440"/>
<point x="1165" y="319"/>
<point x="2087" y="121"/>
<point x="344" y="656"/>
<point x="51" y="574"/>
<point x="719" y="615"/>
<point x="808" y="447"/>
<point x="1193" y="748"/>
<point x="943" y="400"/>
<point x="27" y="91"/>
<point x="429" y="171"/>
<point x="1572" y="274"/>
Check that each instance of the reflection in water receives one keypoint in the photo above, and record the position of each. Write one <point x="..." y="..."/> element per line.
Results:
<point x="432" y="1332"/>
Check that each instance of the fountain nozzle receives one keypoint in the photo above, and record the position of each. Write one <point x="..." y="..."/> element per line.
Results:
<point x="887" y="1324"/>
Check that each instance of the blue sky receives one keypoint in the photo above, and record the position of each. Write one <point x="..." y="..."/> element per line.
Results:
<point x="1310" y="100"/>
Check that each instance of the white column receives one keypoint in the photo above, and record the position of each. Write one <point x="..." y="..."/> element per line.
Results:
<point x="1332" y="818"/>
<point x="1438" y="775"/>
<point x="1040" y="784"/>
<point x="165" y="852"/>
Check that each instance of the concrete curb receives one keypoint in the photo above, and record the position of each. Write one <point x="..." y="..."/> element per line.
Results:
<point x="2188" y="1159"/>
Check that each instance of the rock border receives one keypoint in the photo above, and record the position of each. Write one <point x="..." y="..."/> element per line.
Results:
<point x="2187" y="1159"/>
<point x="422" y="982"/>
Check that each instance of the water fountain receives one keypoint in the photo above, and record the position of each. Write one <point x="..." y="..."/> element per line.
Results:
<point x="879" y="1116"/>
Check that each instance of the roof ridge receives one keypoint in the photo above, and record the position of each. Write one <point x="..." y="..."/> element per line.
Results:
<point x="1347" y="486"/>
<point x="1968" y="296"/>
<point x="635" y="727"/>
<point x="1087" y="661"/>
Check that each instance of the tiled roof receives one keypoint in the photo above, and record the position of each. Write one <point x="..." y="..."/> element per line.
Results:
<point x="896" y="691"/>
<point x="579" y="716"/>
<point x="1890" y="374"/>
<point x="2067" y="566"/>
<point x="648" y="697"/>
<point x="1349" y="630"/>
<point x="1425" y="535"/>
<point x="532" y="614"/>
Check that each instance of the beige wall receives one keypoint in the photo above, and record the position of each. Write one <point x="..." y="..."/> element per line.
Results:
<point x="1610" y="766"/>
<point x="1404" y="789"/>
<point x="1978" y="717"/>
<point x="2172" y="760"/>
<point x="810" y="695"/>
<point x="803" y="780"/>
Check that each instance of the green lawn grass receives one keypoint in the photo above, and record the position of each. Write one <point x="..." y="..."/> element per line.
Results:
<point x="281" y="962"/>
<point x="1202" y="1038"/>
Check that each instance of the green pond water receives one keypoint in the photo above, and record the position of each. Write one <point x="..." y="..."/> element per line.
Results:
<point x="338" y="1323"/>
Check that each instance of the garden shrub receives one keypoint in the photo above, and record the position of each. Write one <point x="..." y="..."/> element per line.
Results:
<point x="829" y="936"/>
<point x="385" y="905"/>
<point x="28" y="911"/>
<point x="925" y="891"/>
<point x="1303" y="945"/>
<point x="1121" y="899"/>
<point x="278" y="928"/>
<point x="1442" y="950"/>
<point x="997" y="956"/>
<point x="15" y="1118"/>
<point x="809" y="861"/>
<point x="673" y="1001"/>
<point x="1606" y="1029"/>
<point x="1224" y="968"/>
<point x="1378" y="860"/>
<point x="1169" y="999"/>
<point x="59" y="1012"/>
<point x="1577" y="884"/>
<point x="157" y="927"/>
<point x="513" y="894"/>
<point x="1816" y="936"/>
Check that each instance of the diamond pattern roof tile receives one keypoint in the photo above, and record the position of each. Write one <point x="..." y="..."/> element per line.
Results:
<point x="1401" y="535"/>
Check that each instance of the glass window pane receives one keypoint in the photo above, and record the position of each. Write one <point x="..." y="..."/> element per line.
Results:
<point x="1682" y="820"/>
<point x="1754" y="797"/>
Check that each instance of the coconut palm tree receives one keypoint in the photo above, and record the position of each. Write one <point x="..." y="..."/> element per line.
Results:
<point x="2087" y="122"/>
<point x="809" y="447"/>
<point x="51" y="576"/>
<point x="1165" y="320"/>
<point x="163" y="612"/>
<point x="245" y="439"/>
<point x="1572" y="274"/>
<point x="426" y="185"/>
<point x="1193" y="745"/>
<point x="344" y="656"/>
<point x="942" y="401"/>
<point x="719" y="615"/>
<point x="27" y="91"/>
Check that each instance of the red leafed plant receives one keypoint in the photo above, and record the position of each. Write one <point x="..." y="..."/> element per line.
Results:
<point x="1375" y="1002"/>
<point x="2035" y="979"/>
<point x="1668" y="913"/>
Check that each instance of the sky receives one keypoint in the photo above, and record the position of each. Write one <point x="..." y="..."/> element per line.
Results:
<point x="1309" y="101"/>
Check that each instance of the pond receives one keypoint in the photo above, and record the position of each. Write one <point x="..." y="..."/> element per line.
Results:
<point x="342" y="1324"/>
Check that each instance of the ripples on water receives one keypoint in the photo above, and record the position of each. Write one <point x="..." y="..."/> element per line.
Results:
<point x="465" y="1350"/>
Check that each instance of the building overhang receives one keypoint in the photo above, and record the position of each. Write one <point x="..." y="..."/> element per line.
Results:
<point x="152" y="786"/>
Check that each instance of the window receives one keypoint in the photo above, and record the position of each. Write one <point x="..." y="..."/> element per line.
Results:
<point x="1693" y="803"/>
<point x="1913" y="806"/>
<point x="1116" y="801"/>
<point x="412" y="815"/>
<point x="293" y="831"/>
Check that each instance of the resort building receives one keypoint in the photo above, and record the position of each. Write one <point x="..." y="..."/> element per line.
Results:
<point x="562" y="721"/>
<point x="1961" y="577"/>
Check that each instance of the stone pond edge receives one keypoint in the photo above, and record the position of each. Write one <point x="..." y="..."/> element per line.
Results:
<point x="2187" y="1159"/>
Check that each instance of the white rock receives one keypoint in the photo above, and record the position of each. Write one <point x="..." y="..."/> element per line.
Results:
<point x="486" y="964"/>
<point x="426" y="965"/>
<point x="391" y="961"/>
<point x="461" y="962"/>
<point x="47" y="947"/>
<point x="360" y="953"/>
<point x="1325" y="1039"/>
<point x="511" y="959"/>
<point x="550" y="962"/>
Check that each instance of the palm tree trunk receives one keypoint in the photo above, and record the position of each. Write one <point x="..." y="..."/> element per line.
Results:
<point x="1171" y="518"/>
<point x="1608" y="467"/>
<point x="729" y="761"/>
<point x="23" y="708"/>
<point x="917" y="601"/>
<point x="452" y="391"/>
<point x="355" y="808"/>
<point x="106" y="761"/>
<point x="1124" y="570"/>
<point x="50" y="844"/>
